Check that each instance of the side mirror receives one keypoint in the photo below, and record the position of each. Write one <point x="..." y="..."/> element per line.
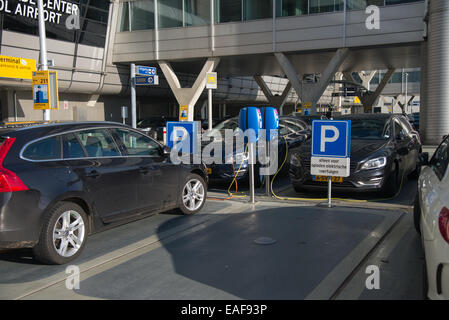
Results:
<point x="167" y="150"/>
<point x="424" y="159"/>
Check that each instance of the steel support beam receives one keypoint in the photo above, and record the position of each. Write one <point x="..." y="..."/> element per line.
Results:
<point x="310" y="93"/>
<point x="274" y="100"/>
<point x="370" y="98"/>
<point x="188" y="96"/>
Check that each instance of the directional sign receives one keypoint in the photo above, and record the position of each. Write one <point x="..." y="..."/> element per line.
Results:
<point x="45" y="90"/>
<point x="147" y="80"/>
<point x="146" y="71"/>
<point x="331" y="148"/>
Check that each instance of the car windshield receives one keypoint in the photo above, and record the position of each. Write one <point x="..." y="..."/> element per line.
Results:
<point x="370" y="129"/>
<point x="227" y="124"/>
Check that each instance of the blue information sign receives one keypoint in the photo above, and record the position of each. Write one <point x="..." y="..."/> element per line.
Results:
<point x="146" y="71"/>
<point x="146" y="80"/>
<point x="331" y="138"/>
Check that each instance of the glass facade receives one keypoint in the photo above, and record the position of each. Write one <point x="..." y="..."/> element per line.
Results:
<point x="196" y="13"/>
<point x="185" y="13"/>
<point x="21" y="16"/>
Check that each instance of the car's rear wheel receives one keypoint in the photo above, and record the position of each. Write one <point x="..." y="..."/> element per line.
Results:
<point x="64" y="234"/>
<point x="193" y="194"/>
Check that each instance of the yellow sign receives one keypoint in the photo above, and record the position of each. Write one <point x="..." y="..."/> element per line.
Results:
<point x="17" y="68"/>
<point x="45" y="90"/>
<point x="211" y="80"/>
<point x="357" y="100"/>
<point x="184" y="113"/>
<point x="307" y="104"/>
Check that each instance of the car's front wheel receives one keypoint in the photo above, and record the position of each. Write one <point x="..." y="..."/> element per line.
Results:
<point x="193" y="194"/>
<point x="63" y="235"/>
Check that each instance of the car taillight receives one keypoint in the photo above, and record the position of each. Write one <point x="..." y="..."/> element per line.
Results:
<point x="9" y="181"/>
<point x="443" y="223"/>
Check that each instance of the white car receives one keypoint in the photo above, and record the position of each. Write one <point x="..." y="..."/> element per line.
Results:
<point x="432" y="221"/>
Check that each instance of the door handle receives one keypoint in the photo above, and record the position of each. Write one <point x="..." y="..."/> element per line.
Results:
<point x="93" y="174"/>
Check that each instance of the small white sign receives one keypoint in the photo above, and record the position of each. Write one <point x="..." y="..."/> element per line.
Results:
<point x="330" y="167"/>
<point x="211" y="80"/>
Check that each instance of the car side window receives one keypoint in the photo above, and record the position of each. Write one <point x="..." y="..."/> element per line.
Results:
<point x="440" y="159"/>
<point x="46" y="149"/>
<point x="406" y="124"/>
<point x="137" y="144"/>
<point x="399" y="131"/>
<point x="98" y="143"/>
<point x="387" y="131"/>
<point x="72" y="148"/>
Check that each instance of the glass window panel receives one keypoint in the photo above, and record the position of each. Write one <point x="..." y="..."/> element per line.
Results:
<point x="170" y="13"/>
<point x="142" y="15"/>
<point x="320" y="6"/>
<point x="138" y="144"/>
<point x="287" y="8"/>
<point x="388" y="2"/>
<point x="124" y="23"/>
<point x="362" y="4"/>
<point x="47" y="149"/>
<point x="98" y="143"/>
<point x="228" y="10"/>
<point x="257" y="9"/>
<point x="197" y="12"/>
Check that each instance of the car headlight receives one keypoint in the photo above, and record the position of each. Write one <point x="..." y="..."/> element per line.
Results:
<point x="236" y="158"/>
<point x="295" y="161"/>
<point x="376" y="163"/>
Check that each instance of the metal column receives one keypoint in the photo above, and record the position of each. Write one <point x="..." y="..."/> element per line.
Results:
<point x="43" y="47"/>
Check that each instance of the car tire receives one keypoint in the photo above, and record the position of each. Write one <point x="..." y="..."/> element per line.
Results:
<point x="194" y="189"/>
<point x="417" y="215"/>
<point x="415" y="173"/>
<point x="391" y="185"/>
<point x="66" y="244"/>
<point x="425" y="282"/>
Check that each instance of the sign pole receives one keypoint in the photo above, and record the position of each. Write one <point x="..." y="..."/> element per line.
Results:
<point x="210" y="109"/>
<point x="251" y="172"/>
<point x="133" y="96"/>
<point x="267" y="177"/>
<point x="43" y="47"/>
<point x="329" y="204"/>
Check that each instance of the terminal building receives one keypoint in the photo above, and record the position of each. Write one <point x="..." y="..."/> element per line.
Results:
<point x="291" y="54"/>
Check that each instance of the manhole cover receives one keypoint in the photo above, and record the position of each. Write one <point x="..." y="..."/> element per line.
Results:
<point x="264" y="241"/>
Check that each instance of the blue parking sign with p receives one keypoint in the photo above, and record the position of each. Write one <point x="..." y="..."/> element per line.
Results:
<point x="331" y="138"/>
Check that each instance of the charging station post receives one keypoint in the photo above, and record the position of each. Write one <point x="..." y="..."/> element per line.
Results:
<point x="270" y="117"/>
<point x="250" y="122"/>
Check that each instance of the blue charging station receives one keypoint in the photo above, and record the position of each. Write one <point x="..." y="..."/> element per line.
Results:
<point x="270" y="122"/>
<point x="251" y="118"/>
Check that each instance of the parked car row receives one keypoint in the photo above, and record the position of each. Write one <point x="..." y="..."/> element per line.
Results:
<point x="61" y="182"/>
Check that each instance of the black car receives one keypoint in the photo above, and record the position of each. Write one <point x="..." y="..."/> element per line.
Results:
<point x="154" y="127"/>
<point x="291" y="129"/>
<point x="384" y="149"/>
<point x="61" y="182"/>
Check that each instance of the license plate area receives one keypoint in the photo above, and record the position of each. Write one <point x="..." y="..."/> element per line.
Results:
<point x="326" y="179"/>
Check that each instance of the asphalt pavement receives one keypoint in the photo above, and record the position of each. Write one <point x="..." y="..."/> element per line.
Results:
<point x="235" y="250"/>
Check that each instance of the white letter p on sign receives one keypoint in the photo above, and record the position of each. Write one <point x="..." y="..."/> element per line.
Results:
<point x="328" y="139"/>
